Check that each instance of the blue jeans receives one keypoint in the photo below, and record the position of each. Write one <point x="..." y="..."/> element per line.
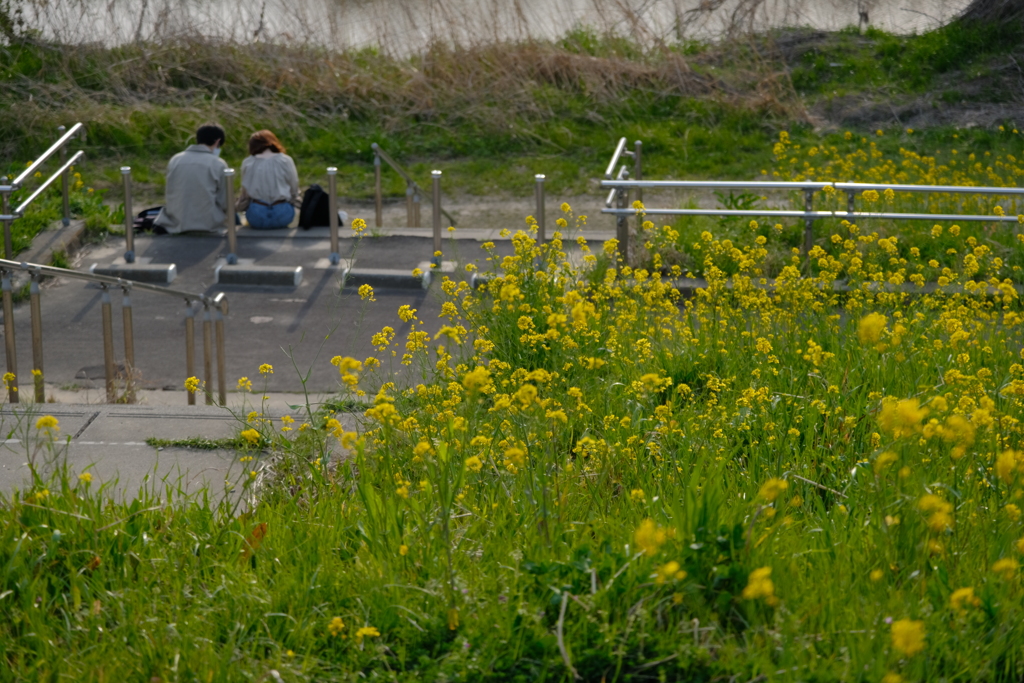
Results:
<point x="269" y="217"/>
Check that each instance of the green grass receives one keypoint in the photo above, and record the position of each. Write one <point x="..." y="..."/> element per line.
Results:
<point x="590" y="476"/>
<point x="490" y="116"/>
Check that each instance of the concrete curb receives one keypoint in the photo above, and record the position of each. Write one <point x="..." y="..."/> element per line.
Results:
<point x="152" y="273"/>
<point x="270" y="276"/>
<point x="385" y="278"/>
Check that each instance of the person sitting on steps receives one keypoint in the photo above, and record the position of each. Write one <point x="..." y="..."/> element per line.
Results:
<point x="196" y="194"/>
<point x="270" y="183"/>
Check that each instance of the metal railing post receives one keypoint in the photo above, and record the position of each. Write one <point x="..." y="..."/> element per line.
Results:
<point x="410" y="221"/>
<point x="638" y="167"/>
<point x="378" y="197"/>
<point x="64" y="177"/>
<point x="218" y="329"/>
<point x="9" y="346"/>
<point x="37" y="339"/>
<point x="849" y="201"/>
<point x="5" y="208"/>
<point x="207" y="355"/>
<point x="190" y="346"/>
<point x="229" y="216"/>
<point x="621" y="221"/>
<point x="332" y="203"/>
<point x="129" y="342"/>
<point x="108" y="345"/>
<point x="538" y="195"/>
<point x="417" y="205"/>
<point x="129" y="227"/>
<point x="435" y="180"/>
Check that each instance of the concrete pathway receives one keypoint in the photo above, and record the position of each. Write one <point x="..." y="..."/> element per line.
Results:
<point x="295" y="329"/>
<point x="110" y="443"/>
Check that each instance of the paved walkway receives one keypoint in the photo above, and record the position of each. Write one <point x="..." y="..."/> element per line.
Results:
<point x="110" y="443"/>
<point x="295" y="329"/>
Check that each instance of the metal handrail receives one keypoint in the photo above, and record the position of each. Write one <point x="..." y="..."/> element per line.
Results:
<point x="813" y="215"/>
<point x="7" y="216"/>
<point x="20" y="211"/>
<point x="620" y="188"/>
<point x="54" y="148"/>
<point x="413" y="190"/>
<point x="619" y="195"/>
<point x="817" y="186"/>
<point x="215" y="308"/>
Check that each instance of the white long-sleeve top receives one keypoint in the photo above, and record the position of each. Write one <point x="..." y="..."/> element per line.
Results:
<point x="271" y="177"/>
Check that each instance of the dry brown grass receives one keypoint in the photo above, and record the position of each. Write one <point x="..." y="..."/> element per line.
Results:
<point x="489" y="87"/>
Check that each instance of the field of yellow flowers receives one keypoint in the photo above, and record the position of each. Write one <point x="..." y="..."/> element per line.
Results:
<point x="928" y="246"/>
<point x="585" y="476"/>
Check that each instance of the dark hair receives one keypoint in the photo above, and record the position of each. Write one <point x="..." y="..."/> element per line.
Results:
<point x="262" y="140"/>
<point x="210" y="134"/>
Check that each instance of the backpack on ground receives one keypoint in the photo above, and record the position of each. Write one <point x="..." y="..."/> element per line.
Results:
<point x="315" y="209"/>
<point x="144" y="221"/>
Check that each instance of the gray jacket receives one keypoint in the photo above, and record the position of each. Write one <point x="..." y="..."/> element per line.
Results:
<point x="196" y="195"/>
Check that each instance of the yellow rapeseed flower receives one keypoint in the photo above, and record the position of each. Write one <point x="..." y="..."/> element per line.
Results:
<point x="1006" y="566"/>
<point x="962" y="598"/>
<point x="771" y="489"/>
<point x="367" y="632"/>
<point x="870" y="328"/>
<point x="649" y="537"/>
<point x="908" y="636"/>
<point x="336" y="626"/>
<point x="266" y="369"/>
<point x="901" y="418"/>
<point x="47" y="422"/>
<point x="760" y="586"/>
<point x="474" y="463"/>
<point x="192" y="384"/>
<point x="252" y="436"/>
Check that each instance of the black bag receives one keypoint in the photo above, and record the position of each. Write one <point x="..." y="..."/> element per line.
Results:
<point x="315" y="209"/>
<point x="144" y="221"/>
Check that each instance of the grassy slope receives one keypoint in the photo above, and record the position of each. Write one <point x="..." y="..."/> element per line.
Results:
<point x="491" y="116"/>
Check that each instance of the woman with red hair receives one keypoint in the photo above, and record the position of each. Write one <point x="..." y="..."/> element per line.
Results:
<point x="270" y="183"/>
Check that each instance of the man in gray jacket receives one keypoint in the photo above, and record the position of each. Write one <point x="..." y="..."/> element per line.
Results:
<point x="195" y="198"/>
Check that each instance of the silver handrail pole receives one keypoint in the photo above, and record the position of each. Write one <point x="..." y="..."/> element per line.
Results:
<point x="108" y="344"/>
<point x="9" y="345"/>
<point x="49" y="181"/>
<point x="638" y="168"/>
<point x="190" y="346"/>
<point x="207" y="355"/>
<point x="410" y="221"/>
<point x="66" y="220"/>
<point x="378" y="197"/>
<point x="410" y="183"/>
<point x="218" y="332"/>
<point x="435" y="179"/>
<point x="129" y="227"/>
<point x="417" y="205"/>
<point x="538" y="195"/>
<point x="37" y="339"/>
<point x="5" y="210"/>
<point x="229" y="216"/>
<point x="622" y="219"/>
<point x="620" y="147"/>
<point x="129" y="342"/>
<point x="332" y="203"/>
<point x="47" y="154"/>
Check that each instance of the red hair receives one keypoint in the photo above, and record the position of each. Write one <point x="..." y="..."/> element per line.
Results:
<point x="262" y="140"/>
